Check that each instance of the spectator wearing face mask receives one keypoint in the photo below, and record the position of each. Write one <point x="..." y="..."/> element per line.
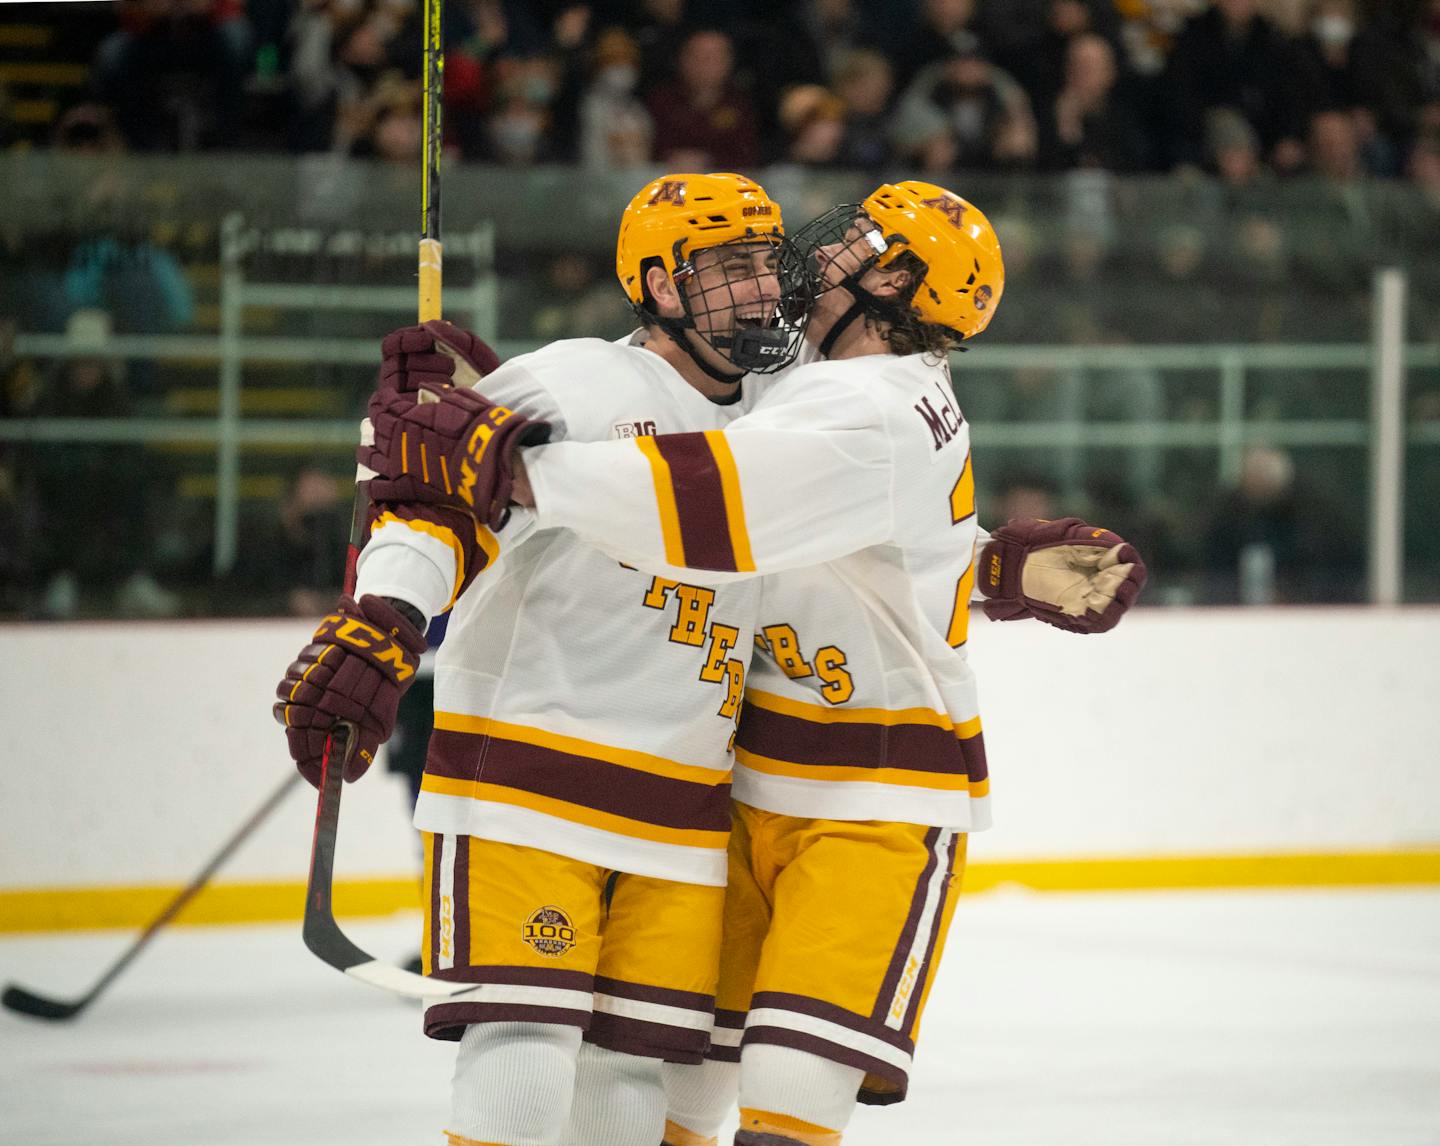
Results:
<point x="615" y="129"/>
<point x="1334" y="52"/>
<point x="518" y="127"/>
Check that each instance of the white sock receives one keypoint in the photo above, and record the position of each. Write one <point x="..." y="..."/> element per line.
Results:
<point x="701" y="1097"/>
<point x="780" y="1080"/>
<point x="619" y="1100"/>
<point x="514" y="1082"/>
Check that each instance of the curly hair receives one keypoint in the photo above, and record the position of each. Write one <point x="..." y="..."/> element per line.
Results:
<point x="907" y="333"/>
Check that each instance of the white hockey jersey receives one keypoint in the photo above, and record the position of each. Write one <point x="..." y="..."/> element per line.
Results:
<point x="582" y="707"/>
<point x="850" y="487"/>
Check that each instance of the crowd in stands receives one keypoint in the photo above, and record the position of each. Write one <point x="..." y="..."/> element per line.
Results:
<point x="1247" y="89"/>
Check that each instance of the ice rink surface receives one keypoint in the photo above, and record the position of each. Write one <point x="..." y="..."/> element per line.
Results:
<point x="1268" y="1018"/>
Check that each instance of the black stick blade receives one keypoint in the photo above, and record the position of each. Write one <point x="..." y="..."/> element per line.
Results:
<point x="22" y="1002"/>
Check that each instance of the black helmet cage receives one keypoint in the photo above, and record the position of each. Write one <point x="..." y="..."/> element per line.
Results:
<point x="755" y="343"/>
<point x="833" y="229"/>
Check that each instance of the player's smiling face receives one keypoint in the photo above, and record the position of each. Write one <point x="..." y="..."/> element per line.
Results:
<point x="734" y="285"/>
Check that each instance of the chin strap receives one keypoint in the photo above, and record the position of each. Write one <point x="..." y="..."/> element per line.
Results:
<point x="677" y="329"/>
<point x="864" y="303"/>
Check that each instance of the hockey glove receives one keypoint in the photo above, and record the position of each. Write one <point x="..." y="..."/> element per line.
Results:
<point x="447" y="447"/>
<point x="1064" y="572"/>
<point x="437" y="353"/>
<point x="361" y="662"/>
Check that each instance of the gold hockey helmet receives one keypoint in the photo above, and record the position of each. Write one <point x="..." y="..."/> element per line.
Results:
<point x="676" y="215"/>
<point x="964" y="273"/>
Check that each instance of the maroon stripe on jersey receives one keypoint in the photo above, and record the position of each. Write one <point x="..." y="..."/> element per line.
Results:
<point x="817" y="1008"/>
<point x="621" y="989"/>
<point x="830" y="1051"/>
<point x="447" y="1021"/>
<point x="580" y="780"/>
<point x="649" y="1040"/>
<point x="947" y="889"/>
<point x="723" y="1054"/>
<point x="699" y="500"/>
<point x="907" y="933"/>
<point x="916" y="747"/>
<point x="975" y="764"/>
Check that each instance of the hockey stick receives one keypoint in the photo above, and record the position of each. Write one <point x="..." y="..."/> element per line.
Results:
<point x="26" y="1002"/>
<point x="322" y="933"/>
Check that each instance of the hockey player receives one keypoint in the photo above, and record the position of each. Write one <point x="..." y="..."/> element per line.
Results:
<point x="860" y="763"/>
<point x="575" y="803"/>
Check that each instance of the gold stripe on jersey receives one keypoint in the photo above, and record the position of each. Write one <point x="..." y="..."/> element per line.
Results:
<point x="734" y="504"/>
<point x="489" y="544"/>
<point x="836" y="773"/>
<point x="664" y="500"/>
<point x="962" y="508"/>
<point x="574" y="746"/>
<point x="575" y="813"/>
<point x="823" y="715"/>
<point x="959" y="630"/>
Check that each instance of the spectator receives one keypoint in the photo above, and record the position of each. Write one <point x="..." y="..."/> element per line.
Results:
<point x="1039" y="58"/>
<point x="97" y="524"/>
<point x="175" y="73"/>
<point x="943" y="28"/>
<point x="1232" y="149"/>
<point x="1335" y="148"/>
<point x="963" y="112"/>
<point x="615" y="129"/>
<point x="660" y="32"/>
<point x="1029" y="495"/>
<point x="1231" y="56"/>
<point x="1090" y="122"/>
<point x="703" y="121"/>
<point x="1273" y="540"/>
<point x="292" y="563"/>
<point x="519" y="125"/>
<point x="864" y="83"/>
<point x="813" y="120"/>
<point x="1332" y="51"/>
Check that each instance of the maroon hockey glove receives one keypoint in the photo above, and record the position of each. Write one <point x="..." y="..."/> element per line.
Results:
<point x="361" y="662"/>
<point x="450" y="447"/>
<point x="415" y="356"/>
<point x="1064" y="572"/>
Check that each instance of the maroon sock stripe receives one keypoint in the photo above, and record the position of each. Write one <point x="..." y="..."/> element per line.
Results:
<point x="699" y="501"/>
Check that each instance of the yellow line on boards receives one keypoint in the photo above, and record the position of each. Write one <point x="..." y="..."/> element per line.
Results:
<point x="1143" y="873"/>
<point x="90" y="908"/>
<point x="83" y="908"/>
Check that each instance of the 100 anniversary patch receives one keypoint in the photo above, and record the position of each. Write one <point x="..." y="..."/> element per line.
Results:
<point x="549" y="931"/>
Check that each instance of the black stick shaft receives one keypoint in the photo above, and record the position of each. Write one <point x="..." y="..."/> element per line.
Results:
<point x="27" y="1002"/>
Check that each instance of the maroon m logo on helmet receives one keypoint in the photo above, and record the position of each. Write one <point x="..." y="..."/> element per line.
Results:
<point x="950" y="208"/>
<point x="670" y="191"/>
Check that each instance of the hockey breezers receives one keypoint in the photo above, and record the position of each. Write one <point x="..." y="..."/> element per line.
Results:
<point x="322" y="933"/>
<point x="39" y="1006"/>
